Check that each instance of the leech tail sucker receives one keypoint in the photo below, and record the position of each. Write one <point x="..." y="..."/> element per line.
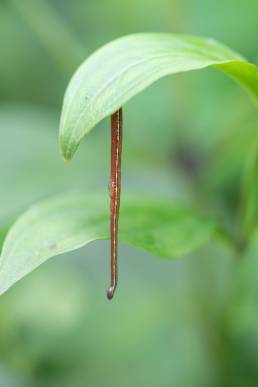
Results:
<point x="110" y="292"/>
<point x="115" y="187"/>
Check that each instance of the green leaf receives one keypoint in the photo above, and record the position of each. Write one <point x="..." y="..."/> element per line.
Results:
<point x="125" y="67"/>
<point x="67" y="222"/>
<point x="26" y="175"/>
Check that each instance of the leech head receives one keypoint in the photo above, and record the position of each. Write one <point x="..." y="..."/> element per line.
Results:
<point x="110" y="292"/>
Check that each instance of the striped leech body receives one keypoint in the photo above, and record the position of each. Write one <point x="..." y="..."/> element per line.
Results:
<point x="115" y="187"/>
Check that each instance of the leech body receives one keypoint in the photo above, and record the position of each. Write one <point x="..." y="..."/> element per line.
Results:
<point x="115" y="186"/>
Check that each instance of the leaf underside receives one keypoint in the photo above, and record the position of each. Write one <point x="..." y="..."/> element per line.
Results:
<point x="67" y="222"/>
<point x="123" y="68"/>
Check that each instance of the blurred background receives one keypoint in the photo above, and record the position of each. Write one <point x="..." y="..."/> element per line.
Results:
<point x="188" y="322"/>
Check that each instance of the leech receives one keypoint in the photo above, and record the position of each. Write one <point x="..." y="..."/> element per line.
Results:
<point x="115" y="183"/>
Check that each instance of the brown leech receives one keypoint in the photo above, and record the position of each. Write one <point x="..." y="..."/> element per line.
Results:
<point x="115" y="185"/>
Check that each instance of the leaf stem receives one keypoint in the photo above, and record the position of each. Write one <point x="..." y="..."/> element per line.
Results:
<point x="248" y="196"/>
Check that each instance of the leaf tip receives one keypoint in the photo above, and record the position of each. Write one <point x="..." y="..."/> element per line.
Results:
<point x="66" y="160"/>
<point x="67" y="152"/>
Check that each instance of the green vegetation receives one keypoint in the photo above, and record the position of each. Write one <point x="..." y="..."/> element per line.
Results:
<point x="189" y="191"/>
<point x="130" y="65"/>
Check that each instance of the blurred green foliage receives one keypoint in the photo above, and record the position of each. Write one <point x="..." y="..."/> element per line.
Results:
<point x="189" y="322"/>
